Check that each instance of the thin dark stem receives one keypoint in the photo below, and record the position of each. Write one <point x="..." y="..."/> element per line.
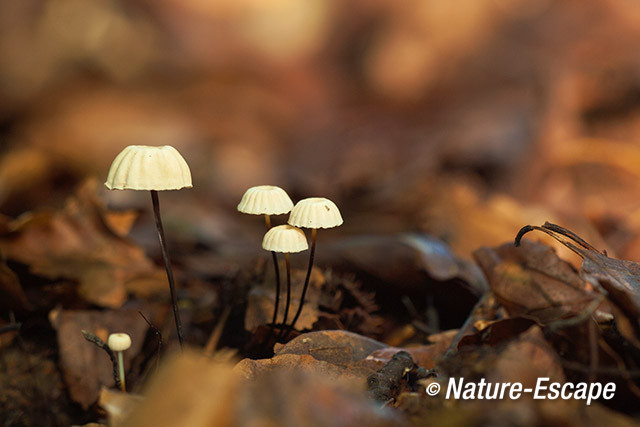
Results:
<point x="103" y="345"/>
<point x="10" y="327"/>
<point x="267" y="220"/>
<point x="275" y="309"/>
<point x="167" y="263"/>
<point x="312" y="251"/>
<point x="288" y="300"/>
<point x="282" y="332"/>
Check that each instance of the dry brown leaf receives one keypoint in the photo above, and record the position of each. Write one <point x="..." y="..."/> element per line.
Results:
<point x="252" y="369"/>
<point x="620" y="279"/>
<point x="117" y="404"/>
<point x="85" y="367"/>
<point x="442" y="264"/>
<point x="402" y="259"/>
<point x="533" y="281"/>
<point x="337" y="347"/>
<point x="189" y="390"/>
<point x="498" y="332"/>
<point x="193" y="390"/>
<point x="526" y="359"/>
<point x="14" y="297"/>
<point x="338" y="354"/>
<point x="75" y="243"/>
<point x="426" y="356"/>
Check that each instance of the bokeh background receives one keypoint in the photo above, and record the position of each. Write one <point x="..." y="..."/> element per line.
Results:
<point x="462" y="119"/>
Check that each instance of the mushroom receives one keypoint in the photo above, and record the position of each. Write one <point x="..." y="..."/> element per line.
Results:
<point x="267" y="200"/>
<point x="285" y="239"/>
<point x="141" y="167"/>
<point x="313" y="213"/>
<point x="120" y="342"/>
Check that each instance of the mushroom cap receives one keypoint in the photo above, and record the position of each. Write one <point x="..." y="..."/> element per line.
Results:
<point x="119" y="341"/>
<point x="315" y="212"/>
<point x="141" y="167"/>
<point x="265" y="199"/>
<point x="285" y="238"/>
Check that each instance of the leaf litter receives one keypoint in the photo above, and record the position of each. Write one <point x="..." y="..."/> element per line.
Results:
<point x="441" y="130"/>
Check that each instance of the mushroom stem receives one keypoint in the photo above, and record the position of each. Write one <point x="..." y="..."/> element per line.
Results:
<point x="288" y="300"/>
<point x="121" y="371"/>
<point x="267" y="220"/>
<point x="167" y="263"/>
<point x="312" y="251"/>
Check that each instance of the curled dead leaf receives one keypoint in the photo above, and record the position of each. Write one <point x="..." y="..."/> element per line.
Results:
<point x="533" y="281"/>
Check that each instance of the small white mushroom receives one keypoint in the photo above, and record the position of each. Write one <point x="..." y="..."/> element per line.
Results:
<point x="267" y="200"/>
<point x="313" y="213"/>
<point x="120" y="342"/>
<point x="286" y="239"/>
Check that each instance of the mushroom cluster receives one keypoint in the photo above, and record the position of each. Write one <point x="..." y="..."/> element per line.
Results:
<point x="140" y="167"/>
<point x="313" y="213"/>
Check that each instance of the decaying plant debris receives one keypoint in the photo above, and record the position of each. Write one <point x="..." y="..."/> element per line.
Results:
<point x="438" y="130"/>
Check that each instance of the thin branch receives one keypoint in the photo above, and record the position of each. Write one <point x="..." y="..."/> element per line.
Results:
<point x="101" y="344"/>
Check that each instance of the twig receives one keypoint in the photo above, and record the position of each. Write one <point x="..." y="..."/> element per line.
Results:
<point x="158" y="334"/>
<point x="10" y="327"/>
<point x="101" y="344"/>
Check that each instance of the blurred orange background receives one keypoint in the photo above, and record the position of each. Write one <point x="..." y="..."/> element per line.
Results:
<point x="463" y="119"/>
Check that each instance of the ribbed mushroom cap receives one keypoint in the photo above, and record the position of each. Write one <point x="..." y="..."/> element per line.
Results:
<point x="265" y="199"/>
<point x="141" y="167"/>
<point x="285" y="238"/>
<point x="315" y="212"/>
<point x="119" y="341"/>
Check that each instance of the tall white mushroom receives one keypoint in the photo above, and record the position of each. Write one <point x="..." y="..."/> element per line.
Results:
<point x="141" y="167"/>
<point x="313" y="213"/>
<point x="267" y="200"/>
<point x="285" y="239"/>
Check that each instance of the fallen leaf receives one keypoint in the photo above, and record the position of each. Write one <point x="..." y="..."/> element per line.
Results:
<point x="533" y="281"/>
<point x="525" y="359"/>
<point x="193" y="390"/>
<point x="117" y="404"/>
<point x="252" y="369"/>
<point x="188" y="390"/>
<point x="338" y="354"/>
<point x="442" y="264"/>
<point x="14" y="297"/>
<point x="85" y="367"/>
<point x="75" y="243"/>
<point x="620" y="279"/>
<point x="497" y="332"/>
<point x="337" y="347"/>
